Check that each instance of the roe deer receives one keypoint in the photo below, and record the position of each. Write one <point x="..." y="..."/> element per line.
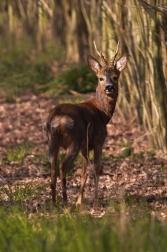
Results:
<point x="82" y="126"/>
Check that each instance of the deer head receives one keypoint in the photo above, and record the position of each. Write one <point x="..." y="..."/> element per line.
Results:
<point x="107" y="73"/>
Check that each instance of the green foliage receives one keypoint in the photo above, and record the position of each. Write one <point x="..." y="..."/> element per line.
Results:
<point x="79" y="79"/>
<point x="21" y="192"/>
<point x="53" y="232"/>
<point x="138" y="155"/>
<point x="151" y="153"/>
<point x="17" y="78"/>
<point x="23" y="69"/>
<point x="128" y="224"/>
<point x="15" y="154"/>
<point x="127" y="152"/>
<point x="18" y="153"/>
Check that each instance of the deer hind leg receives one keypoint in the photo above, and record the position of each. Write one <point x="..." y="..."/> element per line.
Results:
<point x="97" y="168"/>
<point x="83" y="176"/>
<point x="71" y="154"/>
<point x="53" y="154"/>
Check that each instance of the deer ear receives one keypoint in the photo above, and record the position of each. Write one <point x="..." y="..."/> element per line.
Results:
<point x="121" y="63"/>
<point x="93" y="64"/>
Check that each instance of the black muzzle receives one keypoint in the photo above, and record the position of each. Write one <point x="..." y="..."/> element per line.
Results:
<point x="109" y="89"/>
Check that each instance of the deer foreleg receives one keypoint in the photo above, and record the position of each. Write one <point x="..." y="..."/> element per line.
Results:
<point x="97" y="168"/>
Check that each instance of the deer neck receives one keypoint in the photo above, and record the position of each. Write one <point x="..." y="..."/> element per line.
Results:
<point x="106" y="103"/>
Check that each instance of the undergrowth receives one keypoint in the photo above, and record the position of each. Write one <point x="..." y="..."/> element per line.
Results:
<point x="127" y="229"/>
<point x="23" y="69"/>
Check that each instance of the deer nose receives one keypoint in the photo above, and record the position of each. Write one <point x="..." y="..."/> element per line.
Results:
<point x="109" y="88"/>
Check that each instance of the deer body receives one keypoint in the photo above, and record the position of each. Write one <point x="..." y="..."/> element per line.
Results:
<point x="82" y="126"/>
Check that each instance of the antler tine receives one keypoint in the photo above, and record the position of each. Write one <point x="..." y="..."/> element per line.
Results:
<point x="96" y="49"/>
<point x="115" y="54"/>
<point x="117" y="48"/>
<point x="100" y="55"/>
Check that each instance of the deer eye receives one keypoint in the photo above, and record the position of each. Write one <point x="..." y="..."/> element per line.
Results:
<point x="101" y="79"/>
<point x="115" y="78"/>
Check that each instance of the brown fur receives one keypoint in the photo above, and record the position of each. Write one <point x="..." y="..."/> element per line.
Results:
<point x="82" y="127"/>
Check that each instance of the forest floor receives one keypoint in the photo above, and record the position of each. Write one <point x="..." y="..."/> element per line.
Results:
<point x="132" y="171"/>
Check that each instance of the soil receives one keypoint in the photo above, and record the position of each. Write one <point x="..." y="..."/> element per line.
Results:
<point x="131" y="169"/>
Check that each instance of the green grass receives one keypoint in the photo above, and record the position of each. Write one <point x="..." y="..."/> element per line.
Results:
<point x="67" y="232"/>
<point x="128" y="225"/>
<point x="18" y="153"/>
<point x="21" y="192"/>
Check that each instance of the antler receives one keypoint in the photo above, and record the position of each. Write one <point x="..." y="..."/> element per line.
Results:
<point x="104" y="62"/>
<point x="111" y="64"/>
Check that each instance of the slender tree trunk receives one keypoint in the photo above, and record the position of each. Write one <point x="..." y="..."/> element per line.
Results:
<point x="58" y="23"/>
<point x="82" y="34"/>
